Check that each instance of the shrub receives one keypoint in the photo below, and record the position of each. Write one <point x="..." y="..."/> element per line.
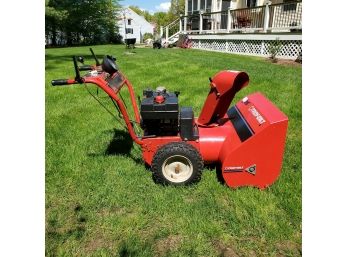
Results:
<point x="147" y="36"/>
<point x="274" y="48"/>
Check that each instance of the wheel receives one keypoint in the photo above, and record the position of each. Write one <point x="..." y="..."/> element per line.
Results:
<point x="177" y="163"/>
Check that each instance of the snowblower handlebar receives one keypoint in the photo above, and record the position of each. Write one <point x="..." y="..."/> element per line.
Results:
<point x="78" y="79"/>
<point x="63" y="82"/>
<point x="110" y="80"/>
<point x="97" y="63"/>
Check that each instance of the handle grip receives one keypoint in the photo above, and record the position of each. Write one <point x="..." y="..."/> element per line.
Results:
<point x="86" y="67"/>
<point x="62" y="82"/>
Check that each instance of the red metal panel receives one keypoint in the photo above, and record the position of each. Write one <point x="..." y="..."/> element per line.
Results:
<point x="264" y="150"/>
<point x="151" y="145"/>
<point x="224" y="86"/>
<point x="211" y="140"/>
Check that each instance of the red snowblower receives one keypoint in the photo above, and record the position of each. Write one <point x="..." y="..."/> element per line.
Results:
<point x="245" y="142"/>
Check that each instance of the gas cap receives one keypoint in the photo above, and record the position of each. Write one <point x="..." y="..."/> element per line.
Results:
<point x="159" y="99"/>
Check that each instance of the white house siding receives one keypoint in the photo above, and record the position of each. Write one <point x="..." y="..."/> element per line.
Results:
<point x="139" y="25"/>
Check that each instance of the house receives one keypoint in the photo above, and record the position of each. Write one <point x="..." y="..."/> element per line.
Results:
<point x="237" y="14"/>
<point x="132" y="25"/>
<point x="249" y="27"/>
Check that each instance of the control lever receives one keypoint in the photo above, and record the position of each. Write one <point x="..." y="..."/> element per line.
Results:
<point x="97" y="63"/>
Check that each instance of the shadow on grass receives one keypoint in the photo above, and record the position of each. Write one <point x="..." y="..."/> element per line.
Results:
<point x="121" y="144"/>
<point x="125" y="252"/>
<point x="60" y="59"/>
<point x="215" y="167"/>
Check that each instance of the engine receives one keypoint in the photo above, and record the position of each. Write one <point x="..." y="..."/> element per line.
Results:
<point x="161" y="116"/>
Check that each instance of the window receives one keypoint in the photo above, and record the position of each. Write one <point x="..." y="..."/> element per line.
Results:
<point x="129" y="31"/>
<point x="225" y="5"/>
<point x="208" y="6"/>
<point x="189" y="5"/>
<point x="289" y="7"/>
<point x="202" y="7"/>
<point x="251" y="3"/>
<point x="195" y="5"/>
<point x="129" y="21"/>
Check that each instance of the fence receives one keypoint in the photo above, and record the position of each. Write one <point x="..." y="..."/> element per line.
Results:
<point x="283" y="17"/>
<point x="288" y="48"/>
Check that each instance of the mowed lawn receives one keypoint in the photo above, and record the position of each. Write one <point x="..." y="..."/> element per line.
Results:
<point x="102" y="201"/>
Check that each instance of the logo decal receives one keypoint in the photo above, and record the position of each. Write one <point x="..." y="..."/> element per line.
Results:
<point x="257" y="115"/>
<point x="251" y="169"/>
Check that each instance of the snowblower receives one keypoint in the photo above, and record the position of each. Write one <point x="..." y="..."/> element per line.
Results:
<point x="245" y="142"/>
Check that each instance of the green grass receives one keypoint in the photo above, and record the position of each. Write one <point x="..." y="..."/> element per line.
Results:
<point x="101" y="200"/>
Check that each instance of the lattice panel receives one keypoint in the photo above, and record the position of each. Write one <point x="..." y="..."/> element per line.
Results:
<point x="288" y="49"/>
<point x="242" y="46"/>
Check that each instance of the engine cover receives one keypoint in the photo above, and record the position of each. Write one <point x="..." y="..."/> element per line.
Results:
<point x="159" y="111"/>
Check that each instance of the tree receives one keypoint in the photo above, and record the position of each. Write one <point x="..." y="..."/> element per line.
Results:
<point x="177" y="7"/>
<point x="147" y="16"/>
<point x="136" y="9"/>
<point x="54" y="18"/>
<point x="161" y="18"/>
<point x="82" y="21"/>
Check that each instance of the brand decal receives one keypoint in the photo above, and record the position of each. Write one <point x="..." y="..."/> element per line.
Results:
<point x="257" y="115"/>
<point x="234" y="169"/>
<point x="251" y="169"/>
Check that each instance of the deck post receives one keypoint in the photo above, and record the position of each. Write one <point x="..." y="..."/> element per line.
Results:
<point x="161" y="31"/>
<point x="229" y="19"/>
<point x="180" y="23"/>
<point x="200" y="22"/>
<point x="266" y="20"/>
<point x="167" y="33"/>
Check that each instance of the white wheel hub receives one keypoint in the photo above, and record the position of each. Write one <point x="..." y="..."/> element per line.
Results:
<point x="177" y="168"/>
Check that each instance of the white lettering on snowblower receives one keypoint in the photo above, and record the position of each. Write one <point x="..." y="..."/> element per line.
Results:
<point x="257" y="115"/>
<point x="234" y="169"/>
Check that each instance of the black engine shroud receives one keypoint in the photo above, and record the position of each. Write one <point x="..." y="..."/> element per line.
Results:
<point x="162" y="118"/>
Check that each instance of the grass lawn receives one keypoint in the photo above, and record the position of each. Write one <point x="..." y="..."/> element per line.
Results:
<point x="102" y="201"/>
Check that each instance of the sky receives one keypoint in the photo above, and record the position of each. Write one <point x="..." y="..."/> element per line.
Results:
<point x="149" y="5"/>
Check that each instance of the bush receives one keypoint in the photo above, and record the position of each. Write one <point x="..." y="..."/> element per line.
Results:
<point x="274" y="48"/>
<point x="147" y="36"/>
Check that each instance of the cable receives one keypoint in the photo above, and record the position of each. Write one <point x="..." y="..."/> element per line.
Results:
<point x="120" y="116"/>
<point x="96" y="98"/>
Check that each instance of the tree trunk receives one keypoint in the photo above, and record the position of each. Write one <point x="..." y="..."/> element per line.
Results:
<point x="54" y="34"/>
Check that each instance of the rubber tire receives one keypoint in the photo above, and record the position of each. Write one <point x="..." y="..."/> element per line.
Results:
<point x="177" y="148"/>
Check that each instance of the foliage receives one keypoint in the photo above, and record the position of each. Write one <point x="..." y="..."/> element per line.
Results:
<point x="101" y="200"/>
<point x="147" y="36"/>
<point x="177" y="8"/>
<point x="136" y="9"/>
<point x="146" y="14"/>
<point x="81" y="21"/>
<point x="274" y="49"/>
<point x="162" y="18"/>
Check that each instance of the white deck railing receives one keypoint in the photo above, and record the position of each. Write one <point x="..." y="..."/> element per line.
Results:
<point x="283" y="17"/>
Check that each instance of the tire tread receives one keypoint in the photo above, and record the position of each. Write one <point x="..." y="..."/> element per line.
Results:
<point x="177" y="148"/>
